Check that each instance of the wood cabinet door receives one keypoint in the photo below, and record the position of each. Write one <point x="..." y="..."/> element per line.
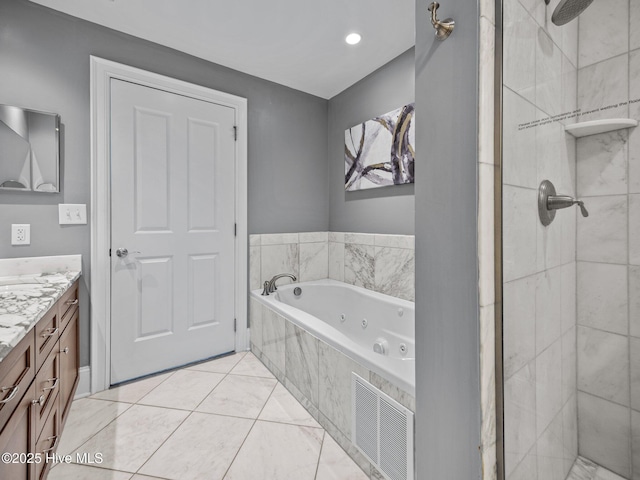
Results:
<point x="18" y="439"/>
<point x="69" y="363"/>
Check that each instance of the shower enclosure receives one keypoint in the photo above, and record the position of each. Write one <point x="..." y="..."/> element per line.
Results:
<point x="571" y="289"/>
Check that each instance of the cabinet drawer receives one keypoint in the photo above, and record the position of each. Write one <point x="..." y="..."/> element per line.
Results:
<point x="67" y="305"/>
<point x="48" y="442"/>
<point x="18" y="438"/>
<point x="17" y="371"/>
<point x="47" y="386"/>
<point x="47" y="334"/>
<point x="69" y="364"/>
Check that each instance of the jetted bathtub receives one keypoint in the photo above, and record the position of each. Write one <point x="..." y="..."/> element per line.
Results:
<point x="375" y="330"/>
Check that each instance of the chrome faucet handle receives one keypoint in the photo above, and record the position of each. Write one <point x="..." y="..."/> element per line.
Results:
<point x="583" y="209"/>
<point x="265" y="289"/>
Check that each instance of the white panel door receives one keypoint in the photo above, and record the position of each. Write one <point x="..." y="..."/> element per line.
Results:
<point x="172" y="208"/>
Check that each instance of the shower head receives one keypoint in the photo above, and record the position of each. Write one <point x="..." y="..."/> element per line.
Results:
<point x="567" y="10"/>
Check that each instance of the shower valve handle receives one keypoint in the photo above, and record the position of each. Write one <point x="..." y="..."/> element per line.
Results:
<point x="556" y="202"/>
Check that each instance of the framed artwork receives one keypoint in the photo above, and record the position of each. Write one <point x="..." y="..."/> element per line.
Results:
<point x="380" y="152"/>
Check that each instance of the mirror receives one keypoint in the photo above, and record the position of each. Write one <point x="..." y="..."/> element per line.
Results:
<point x="29" y="150"/>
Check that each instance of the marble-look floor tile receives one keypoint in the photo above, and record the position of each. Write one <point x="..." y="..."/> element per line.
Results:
<point x="184" y="390"/>
<point x="603" y="364"/>
<point x="604" y="474"/>
<point x="336" y="261"/>
<point x="602" y="164"/>
<point x="582" y="469"/>
<point x="602" y="296"/>
<point x="359" y="265"/>
<point x="238" y="396"/>
<point x="282" y="407"/>
<point x="134" y="391"/>
<point x="278" y="452"/>
<point x="202" y="447"/>
<point x="252" y="367"/>
<point x="302" y="361"/>
<point x="605" y="433"/>
<point x="334" y="399"/>
<point x="394" y="272"/>
<point x="72" y="471"/>
<point x="335" y="464"/>
<point x="219" y="365"/>
<point x="314" y="261"/>
<point x="86" y="418"/>
<point x="602" y="237"/>
<point x="127" y="442"/>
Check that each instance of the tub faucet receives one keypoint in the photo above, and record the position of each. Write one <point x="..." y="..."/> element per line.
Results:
<point x="270" y="285"/>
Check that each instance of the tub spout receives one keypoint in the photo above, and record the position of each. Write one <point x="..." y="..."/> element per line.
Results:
<point x="270" y="285"/>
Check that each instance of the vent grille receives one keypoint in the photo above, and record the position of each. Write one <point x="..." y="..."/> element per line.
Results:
<point x="382" y="430"/>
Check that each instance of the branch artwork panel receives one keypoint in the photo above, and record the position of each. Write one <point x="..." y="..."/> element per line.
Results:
<point x="380" y="152"/>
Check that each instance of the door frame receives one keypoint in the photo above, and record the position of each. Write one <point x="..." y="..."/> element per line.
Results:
<point x="102" y="71"/>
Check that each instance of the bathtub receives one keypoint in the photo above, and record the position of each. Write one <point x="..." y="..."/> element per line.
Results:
<point x="375" y="330"/>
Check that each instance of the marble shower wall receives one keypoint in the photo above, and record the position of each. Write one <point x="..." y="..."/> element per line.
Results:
<point x="608" y="252"/>
<point x="318" y="375"/>
<point x="383" y="263"/>
<point x="540" y="64"/>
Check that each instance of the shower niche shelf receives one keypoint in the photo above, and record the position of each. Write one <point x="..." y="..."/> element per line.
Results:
<point x="594" y="127"/>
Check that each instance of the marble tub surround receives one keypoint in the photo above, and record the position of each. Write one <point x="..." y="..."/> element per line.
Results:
<point x="318" y="375"/>
<point x="24" y="299"/>
<point x="378" y="262"/>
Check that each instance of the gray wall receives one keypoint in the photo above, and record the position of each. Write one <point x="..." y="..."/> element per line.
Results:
<point x="380" y="210"/>
<point x="45" y="66"/>
<point x="447" y="364"/>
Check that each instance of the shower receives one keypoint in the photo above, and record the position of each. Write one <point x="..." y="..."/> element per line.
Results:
<point x="567" y="10"/>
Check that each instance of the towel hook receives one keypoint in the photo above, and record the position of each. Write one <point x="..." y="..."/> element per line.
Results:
<point x="443" y="28"/>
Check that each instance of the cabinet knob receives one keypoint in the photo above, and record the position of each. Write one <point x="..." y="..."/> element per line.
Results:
<point x="65" y="350"/>
<point x="71" y="302"/>
<point x="38" y="401"/>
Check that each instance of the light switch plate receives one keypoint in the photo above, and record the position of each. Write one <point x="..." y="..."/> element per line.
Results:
<point x="72" y="214"/>
<point x="20" y="234"/>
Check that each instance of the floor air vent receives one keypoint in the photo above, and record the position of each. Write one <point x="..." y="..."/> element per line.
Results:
<point x="382" y="430"/>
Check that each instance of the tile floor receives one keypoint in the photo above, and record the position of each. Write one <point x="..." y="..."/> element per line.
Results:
<point x="227" y="418"/>
<point x="584" y="469"/>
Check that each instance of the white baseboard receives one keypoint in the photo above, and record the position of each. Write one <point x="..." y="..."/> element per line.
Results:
<point x="84" y="383"/>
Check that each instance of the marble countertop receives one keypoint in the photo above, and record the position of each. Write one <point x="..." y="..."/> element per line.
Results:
<point x="24" y="299"/>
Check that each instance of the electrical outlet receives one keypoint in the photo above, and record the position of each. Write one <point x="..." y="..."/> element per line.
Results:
<point x="20" y="234"/>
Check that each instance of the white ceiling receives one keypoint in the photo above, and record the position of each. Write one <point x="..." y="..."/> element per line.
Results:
<point x="297" y="43"/>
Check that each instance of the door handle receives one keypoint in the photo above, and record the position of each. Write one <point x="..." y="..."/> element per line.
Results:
<point x="123" y="252"/>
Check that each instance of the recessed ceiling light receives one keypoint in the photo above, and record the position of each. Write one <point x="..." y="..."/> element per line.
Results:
<point x="353" y="38"/>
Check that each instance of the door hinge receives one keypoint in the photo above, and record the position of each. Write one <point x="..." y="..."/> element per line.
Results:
<point x="235" y="229"/>
<point x="235" y="133"/>
<point x="235" y="324"/>
<point x="109" y="252"/>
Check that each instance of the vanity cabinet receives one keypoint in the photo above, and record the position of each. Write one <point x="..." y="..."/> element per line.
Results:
<point x="38" y="379"/>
